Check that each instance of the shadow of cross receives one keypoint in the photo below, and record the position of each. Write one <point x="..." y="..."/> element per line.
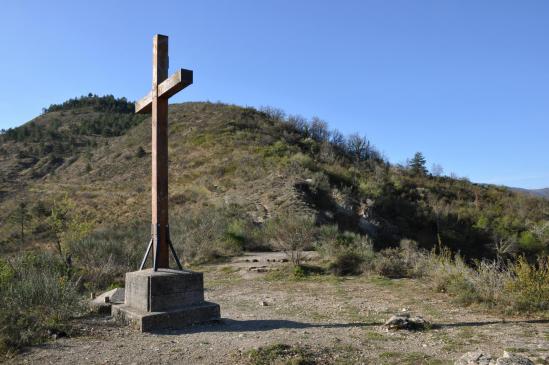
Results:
<point x="156" y="103"/>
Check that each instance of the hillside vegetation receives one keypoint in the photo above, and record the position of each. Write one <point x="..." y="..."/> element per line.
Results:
<point x="261" y="163"/>
<point x="75" y="193"/>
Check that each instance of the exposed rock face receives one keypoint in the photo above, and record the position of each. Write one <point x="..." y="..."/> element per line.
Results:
<point x="481" y="358"/>
<point x="404" y="321"/>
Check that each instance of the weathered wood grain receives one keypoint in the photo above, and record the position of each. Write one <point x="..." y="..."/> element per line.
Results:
<point x="156" y="102"/>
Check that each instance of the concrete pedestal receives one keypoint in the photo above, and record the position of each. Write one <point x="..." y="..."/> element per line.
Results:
<point x="164" y="299"/>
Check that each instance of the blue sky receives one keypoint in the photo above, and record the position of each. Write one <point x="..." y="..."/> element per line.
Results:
<point x="464" y="81"/>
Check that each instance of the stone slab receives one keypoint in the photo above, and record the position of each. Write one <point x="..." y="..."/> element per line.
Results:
<point x="103" y="302"/>
<point x="174" y="319"/>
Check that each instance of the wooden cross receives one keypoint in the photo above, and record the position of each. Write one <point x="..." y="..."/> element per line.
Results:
<point x="156" y="102"/>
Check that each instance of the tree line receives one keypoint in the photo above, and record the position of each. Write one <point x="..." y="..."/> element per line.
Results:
<point x="106" y="103"/>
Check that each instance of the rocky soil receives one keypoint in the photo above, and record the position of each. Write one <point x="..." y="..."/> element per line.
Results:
<point x="332" y="320"/>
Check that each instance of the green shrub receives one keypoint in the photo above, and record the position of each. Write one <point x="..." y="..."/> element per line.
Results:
<point x="509" y="287"/>
<point x="299" y="272"/>
<point x="278" y="149"/>
<point x="237" y="234"/>
<point x="211" y="234"/>
<point x="301" y="161"/>
<point x="279" y="354"/>
<point x="463" y="290"/>
<point x="467" y="285"/>
<point x="107" y="253"/>
<point x="6" y="273"/>
<point x="333" y="243"/>
<point x="441" y="269"/>
<point x="319" y="182"/>
<point x="140" y="152"/>
<point x="529" y="286"/>
<point x="36" y="296"/>
<point x="391" y="263"/>
<point x="349" y="252"/>
<point x="349" y="263"/>
<point x="294" y="272"/>
<point x="201" y="235"/>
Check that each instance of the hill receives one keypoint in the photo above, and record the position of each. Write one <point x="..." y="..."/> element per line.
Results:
<point x="535" y="192"/>
<point x="255" y="165"/>
<point x="74" y="218"/>
<point x="541" y="192"/>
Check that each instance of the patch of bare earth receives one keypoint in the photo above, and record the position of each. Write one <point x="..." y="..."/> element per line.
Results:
<point x="333" y="320"/>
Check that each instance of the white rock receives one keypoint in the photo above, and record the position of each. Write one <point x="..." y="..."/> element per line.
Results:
<point x="115" y="296"/>
<point x="513" y="359"/>
<point x="475" y="358"/>
<point x="404" y="321"/>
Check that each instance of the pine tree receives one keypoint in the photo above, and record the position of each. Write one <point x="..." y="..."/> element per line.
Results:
<point x="417" y="164"/>
<point x="20" y="216"/>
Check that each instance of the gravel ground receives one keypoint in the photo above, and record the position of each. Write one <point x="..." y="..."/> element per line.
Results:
<point x="333" y="320"/>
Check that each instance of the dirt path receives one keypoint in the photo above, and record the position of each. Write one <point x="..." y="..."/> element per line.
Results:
<point x="337" y="321"/>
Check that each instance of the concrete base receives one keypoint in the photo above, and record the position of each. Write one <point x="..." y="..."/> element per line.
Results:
<point x="164" y="299"/>
<point x="174" y="319"/>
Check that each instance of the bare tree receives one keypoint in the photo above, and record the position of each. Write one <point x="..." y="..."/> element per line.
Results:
<point x="319" y="130"/>
<point x="358" y="146"/>
<point x="292" y="235"/>
<point x="337" y="139"/>
<point x="504" y="247"/>
<point x="436" y="169"/>
<point x="273" y="113"/>
<point x="298" y="123"/>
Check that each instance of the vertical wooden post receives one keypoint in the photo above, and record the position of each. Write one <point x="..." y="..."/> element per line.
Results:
<point x="160" y="154"/>
<point x="156" y="102"/>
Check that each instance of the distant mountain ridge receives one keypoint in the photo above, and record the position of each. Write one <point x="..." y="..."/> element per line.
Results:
<point x="544" y="192"/>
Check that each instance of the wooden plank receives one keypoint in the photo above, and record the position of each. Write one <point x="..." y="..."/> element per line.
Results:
<point x="160" y="59"/>
<point x="159" y="119"/>
<point x="177" y="82"/>
<point x="144" y="106"/>
<point x="156" y="103"/>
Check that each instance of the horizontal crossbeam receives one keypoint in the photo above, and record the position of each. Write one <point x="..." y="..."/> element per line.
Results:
<point x="169" y="87"/>
<point x="144" y="106"/>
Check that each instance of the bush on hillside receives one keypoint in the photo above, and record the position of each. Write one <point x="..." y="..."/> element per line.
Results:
<point x="333" y="242"/>
<point x="529" y="286"/>
<point x="506" y="286"/>
<point x="349" y="252"/>
<point x="391" y="263"/>
<point x="349" y="263"/>
<point x="37" y="296"/>
<point x="201" y="235"/>
<point x="107" y="253"/>
<point x="140" y="152"/>
<point x="211" y="234"/>
<point x="292" y="235"/>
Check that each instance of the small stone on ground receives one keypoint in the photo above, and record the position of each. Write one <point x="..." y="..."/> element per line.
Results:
<point x="513" y="359"/>
<point x="404" y="321"/>
<point x="103" y="302"/>
<point x="481" y="358"/>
